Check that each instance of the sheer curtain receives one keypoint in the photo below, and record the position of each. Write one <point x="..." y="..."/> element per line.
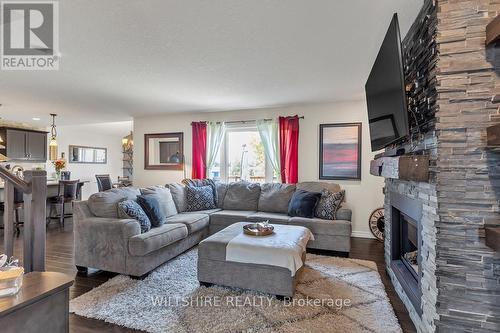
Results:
<point x="268" y="131"/>
<point x="215" y="135"/>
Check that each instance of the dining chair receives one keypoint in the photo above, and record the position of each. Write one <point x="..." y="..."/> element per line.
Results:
<point x="103" y="182"/>
<point x="67" y="192"/>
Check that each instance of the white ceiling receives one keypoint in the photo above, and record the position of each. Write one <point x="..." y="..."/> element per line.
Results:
<point x="133" y="58"/>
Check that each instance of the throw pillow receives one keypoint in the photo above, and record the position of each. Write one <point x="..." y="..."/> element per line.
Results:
<point x="199" y="198"/>
<point x="178" y="192"/>
<point x="303" y="203"/>
<point x="129" y="209"/>
<point x="329" y="204"/>
<point x="167" y="204"/>
<point x="150" y="204"/>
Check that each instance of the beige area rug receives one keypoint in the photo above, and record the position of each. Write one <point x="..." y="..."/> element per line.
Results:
<point x="333" y="295"/>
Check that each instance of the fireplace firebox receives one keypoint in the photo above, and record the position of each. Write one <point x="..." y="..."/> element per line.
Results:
<point x="406" y="214"/>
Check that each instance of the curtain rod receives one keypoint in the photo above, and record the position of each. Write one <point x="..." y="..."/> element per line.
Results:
<point x="244" y="121"/>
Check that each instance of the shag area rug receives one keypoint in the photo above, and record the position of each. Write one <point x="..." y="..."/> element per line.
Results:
<point x="333" y="295"/>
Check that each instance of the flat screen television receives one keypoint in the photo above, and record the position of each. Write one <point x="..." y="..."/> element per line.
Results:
<point x="385" y="92"/>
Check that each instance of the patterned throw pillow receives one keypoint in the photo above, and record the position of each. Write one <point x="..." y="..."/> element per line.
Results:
<point x="200" y="198"/>
<point x="329" y="204"/>
<point x="131" y="210"/>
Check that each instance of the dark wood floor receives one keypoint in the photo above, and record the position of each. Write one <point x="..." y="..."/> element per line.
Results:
<point x="59" y="256"/>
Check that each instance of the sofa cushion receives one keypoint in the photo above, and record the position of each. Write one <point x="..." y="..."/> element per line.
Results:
<point x="329" y="204"/>
<point x="318" y="186"/>
<point x="323" y="227"/>
<point x="178" y="192"/>
<point x="105" y="204"/>
<point x="156" y="239"/>
<point x="129" y="209"/>
<point x="167" y="203"/>
<point x="193" y="221"/>
<point x="275" y="218"/>
<point x="228" y="217"/>
<point x="221" y="193"/>
<point x="242" y="196"/>
<point x="303" y="203"/>
<point x="275" y="198"/>
<point x="199" y="198"/>
<point x="205" y="211"/>
<point x="150" y="204"/>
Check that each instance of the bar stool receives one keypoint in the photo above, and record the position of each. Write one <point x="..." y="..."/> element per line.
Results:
<point x="67" y="192"/>
<point x="18" y="205"/>
<point x="103" y="182"/>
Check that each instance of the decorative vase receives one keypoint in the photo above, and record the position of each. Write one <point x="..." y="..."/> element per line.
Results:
<point x="58" y="174"/>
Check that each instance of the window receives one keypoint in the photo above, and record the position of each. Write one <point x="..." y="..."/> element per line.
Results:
<point x="242" y="156"/>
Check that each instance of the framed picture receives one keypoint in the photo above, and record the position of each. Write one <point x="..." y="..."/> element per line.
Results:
<point x="340" y="151"/>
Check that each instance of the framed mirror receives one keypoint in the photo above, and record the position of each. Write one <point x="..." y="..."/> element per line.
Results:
<point x="164" y="151"/>
<point x="87" y="155"/>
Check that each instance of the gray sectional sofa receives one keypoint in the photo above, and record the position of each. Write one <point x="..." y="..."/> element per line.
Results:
<point x="107" y="242"/>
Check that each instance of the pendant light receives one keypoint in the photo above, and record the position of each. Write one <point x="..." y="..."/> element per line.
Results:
<point x="53" y="139"/>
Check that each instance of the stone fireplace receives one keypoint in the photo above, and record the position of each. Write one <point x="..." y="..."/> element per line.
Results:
<point x="453" y="91"/>
<point x="411" y="212"/>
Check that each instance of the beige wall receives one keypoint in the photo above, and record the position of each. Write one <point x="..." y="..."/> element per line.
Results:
<point x="361" y="196"/>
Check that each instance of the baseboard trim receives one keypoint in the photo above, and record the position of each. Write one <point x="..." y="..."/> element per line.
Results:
<point x="362" y="234"/>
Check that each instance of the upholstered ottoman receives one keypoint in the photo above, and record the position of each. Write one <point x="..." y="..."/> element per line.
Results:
<point x="269" y="264"/>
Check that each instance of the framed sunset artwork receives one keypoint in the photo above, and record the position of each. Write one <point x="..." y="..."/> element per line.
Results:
<point x="340" y="151"/>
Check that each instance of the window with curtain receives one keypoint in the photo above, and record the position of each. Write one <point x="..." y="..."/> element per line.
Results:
<point x="242" y="156"/>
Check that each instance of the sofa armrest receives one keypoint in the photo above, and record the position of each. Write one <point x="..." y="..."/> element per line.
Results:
<point x="344" y="214"/>
<point x="103" y="242"/>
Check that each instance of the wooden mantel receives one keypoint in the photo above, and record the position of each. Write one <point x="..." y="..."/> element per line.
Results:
<point x="406" y="167"/>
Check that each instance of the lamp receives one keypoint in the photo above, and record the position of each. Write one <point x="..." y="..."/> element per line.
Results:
<point x="53" y="139"/>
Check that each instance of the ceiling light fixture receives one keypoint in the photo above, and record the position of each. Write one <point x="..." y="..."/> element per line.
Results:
<point x="53" y="139"/>
<point x="36" y="118"/>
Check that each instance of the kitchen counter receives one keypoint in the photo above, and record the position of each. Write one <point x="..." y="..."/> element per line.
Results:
<point x="52" y="187"/>
<point x="50" y="182"/>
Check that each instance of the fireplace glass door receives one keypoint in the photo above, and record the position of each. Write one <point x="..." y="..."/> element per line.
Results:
<point x="409" y="243"/>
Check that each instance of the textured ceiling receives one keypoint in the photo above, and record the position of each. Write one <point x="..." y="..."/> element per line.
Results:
<point x="133" y="58"/>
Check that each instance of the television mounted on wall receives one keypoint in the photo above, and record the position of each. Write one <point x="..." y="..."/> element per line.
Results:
<point x="385" y="92"/>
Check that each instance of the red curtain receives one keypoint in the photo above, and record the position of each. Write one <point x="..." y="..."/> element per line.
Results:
<point x="289" y="149"/>
<point x="199" y="150"/>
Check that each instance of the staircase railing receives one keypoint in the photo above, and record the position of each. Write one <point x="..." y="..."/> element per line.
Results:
<point x="34" y="189"/>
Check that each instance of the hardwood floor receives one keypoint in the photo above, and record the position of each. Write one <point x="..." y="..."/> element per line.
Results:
<point x="59" y="255"/>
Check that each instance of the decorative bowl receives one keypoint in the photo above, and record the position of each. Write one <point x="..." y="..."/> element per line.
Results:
<point x="258" y="229"/>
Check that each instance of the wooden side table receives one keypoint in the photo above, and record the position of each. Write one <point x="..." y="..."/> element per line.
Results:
<point x="42" y="304"/>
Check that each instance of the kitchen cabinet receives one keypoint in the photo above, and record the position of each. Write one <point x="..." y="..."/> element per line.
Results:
<point x="25" y="145"/>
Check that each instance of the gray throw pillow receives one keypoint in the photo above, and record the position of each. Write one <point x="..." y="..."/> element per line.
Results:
<point x="329" y="204"/>
<point x="274" y="197"/>
<point x="167" y="204"/>
<point x="178" y="192"/>
<point x="200" y="198"/>
<point x="129" y="209"/>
